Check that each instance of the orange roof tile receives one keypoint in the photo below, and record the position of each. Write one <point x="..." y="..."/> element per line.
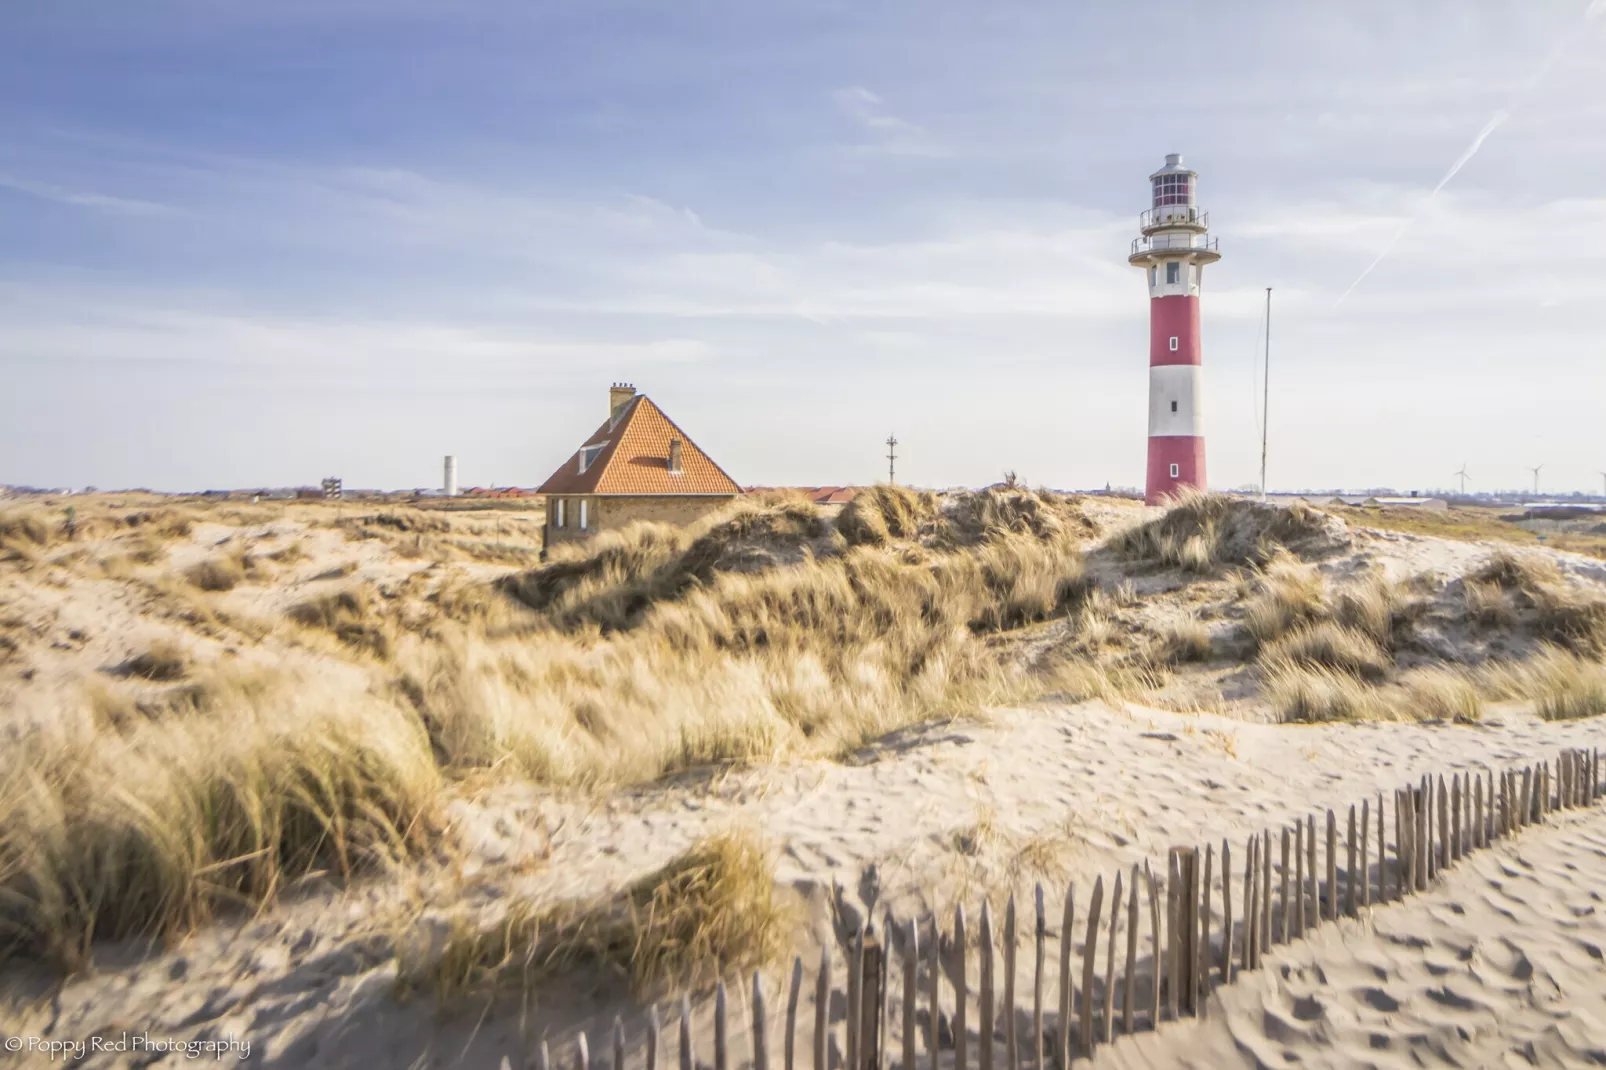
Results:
<point x="634" y="459"/>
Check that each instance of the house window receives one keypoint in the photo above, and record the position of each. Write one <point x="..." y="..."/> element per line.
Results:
<point x="1174" y="343"/>
<point x="588" y="455"/>
<point x="559" y="517"/>
<point x="1176" y="470"/>
<point x="674" y="457"/>
<point x="1173" y="271"/>
<point x="1173" y="406"/>
<point x="584" y="513"/>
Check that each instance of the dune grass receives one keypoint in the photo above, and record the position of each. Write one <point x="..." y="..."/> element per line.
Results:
<point x="150" y="830"/>
<point x="712" y="911"/>
<point x="1203" y="532"/>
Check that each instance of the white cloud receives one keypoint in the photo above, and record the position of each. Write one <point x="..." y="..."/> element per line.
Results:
<point x="130" y="206"/>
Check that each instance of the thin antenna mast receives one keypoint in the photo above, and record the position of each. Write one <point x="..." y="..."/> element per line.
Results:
<point x="892" y="458"/>
<point x="1265" y="415"/>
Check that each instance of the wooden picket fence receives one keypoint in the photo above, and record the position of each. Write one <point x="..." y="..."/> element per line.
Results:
<point x="1191" y="946"/>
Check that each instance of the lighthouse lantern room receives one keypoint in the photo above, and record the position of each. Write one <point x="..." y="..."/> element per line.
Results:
<point x="1174" y="247"/>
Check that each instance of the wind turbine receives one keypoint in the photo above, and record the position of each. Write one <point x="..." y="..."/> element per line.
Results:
<point x="1535" y="471"/>
<point x="1463" y="474"/>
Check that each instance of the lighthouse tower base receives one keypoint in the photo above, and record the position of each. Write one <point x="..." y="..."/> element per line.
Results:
<point x="1176" y="462"/>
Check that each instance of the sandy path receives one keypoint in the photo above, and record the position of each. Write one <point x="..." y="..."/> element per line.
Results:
<point x="1500" y="965"/>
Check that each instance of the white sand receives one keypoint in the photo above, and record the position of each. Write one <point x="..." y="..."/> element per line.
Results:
<point x="1500" y="965"/>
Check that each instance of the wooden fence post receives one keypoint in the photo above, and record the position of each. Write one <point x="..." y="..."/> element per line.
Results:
<point x="1011" y="1048"/>
<point x="1299" y="880"/>
<point x="1157" y="941"/>
<point x="722" y="1030"/>
<point x="1184" y="929"/>
<point x="984" y="1012"/>
<point x="793" y="992"/>
<point x="1108" y="1019"/>
<point x="1310" y="866"/>
<point x="1039" y="1047"/>
<point x="1349" y="866"/>
<point x="1129" y="997"/>
<point x="1455" y="823"/>
<point x="688" y="1057"/>
<point x="1265" y="895"/>
<point x="1226" y="912"/>
<point x="961" y="992"/>
<point x="1246" y="953"/>
<point x="1332" y="867"/>
<point x="655" y="1030"/>
<point x="761" y="1043"/>
<point x="1088" y="951"/>
<point x="1382" y="851"/>
<point x="1422" y="845"/>
<point x="911" y="993"/>
<point x="1282" y="914"/>
<point x="1201" y="964"/>
<point x="822" y="1010"/>
<point x="855" y="999"/>
<point x="872" y="996"/>
<point x="1366" y="853"/>
<point x="1444" y="825"/>
<point x="934" y="996"/>
<point x="1067" y="940"/>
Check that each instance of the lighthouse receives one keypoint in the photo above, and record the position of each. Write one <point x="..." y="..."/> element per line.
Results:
<point x="1174" y="247"/>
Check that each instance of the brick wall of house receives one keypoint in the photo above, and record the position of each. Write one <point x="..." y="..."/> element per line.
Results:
<point x="610" y="512"/>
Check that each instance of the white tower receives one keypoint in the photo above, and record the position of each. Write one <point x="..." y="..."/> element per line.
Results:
<point x="451" y="477"/>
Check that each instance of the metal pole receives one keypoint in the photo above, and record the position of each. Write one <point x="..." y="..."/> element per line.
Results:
<point x="1265" y="404"/>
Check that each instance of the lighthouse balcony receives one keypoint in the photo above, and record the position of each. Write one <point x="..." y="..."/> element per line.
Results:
<point x="1201" y="247"/>
<point x="1173" y="215"/>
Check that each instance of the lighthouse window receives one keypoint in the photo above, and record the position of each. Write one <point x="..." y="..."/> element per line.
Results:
<point x="1176" y="470"/>
<point x="1173" y="271"/>
<point x="1172" y="189"/>
<point x="1154" y="275"/>
<point x="1173" y="406"/>
<point x="1173" y="343"/>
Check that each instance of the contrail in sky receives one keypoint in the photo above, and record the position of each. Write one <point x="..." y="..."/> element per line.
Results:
<point x="1596" y="8"/>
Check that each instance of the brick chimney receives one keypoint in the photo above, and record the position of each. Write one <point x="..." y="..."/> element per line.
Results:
<point x="619" y="395"/>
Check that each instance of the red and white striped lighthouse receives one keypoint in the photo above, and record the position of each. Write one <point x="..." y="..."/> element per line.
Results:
<point x="1174" y="249"/>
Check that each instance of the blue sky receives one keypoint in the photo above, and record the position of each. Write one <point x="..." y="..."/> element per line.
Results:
<point x="248" y="244"/>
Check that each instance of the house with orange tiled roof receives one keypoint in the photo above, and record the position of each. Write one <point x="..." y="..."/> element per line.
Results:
<point x="637" y="466"/>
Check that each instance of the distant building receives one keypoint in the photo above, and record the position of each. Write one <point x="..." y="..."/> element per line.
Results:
<point x="817" y="495"/>
<point x="637" y="466"/>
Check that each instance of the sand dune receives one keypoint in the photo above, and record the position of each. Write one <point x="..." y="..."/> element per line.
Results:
<point x="1500" y="965"/>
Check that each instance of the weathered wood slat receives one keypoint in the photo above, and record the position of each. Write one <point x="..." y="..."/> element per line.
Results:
<point x="934" y="997"/>
<point x="761" y="1042"/>
<point x="1202" y="950"/>
<point x="1130" y="993"/>
<point x="1173" y="972"/>
<point x="619" y="1045"/>
<point x="822" y="1010"/>
<point x="543" y="1057"/>
<point x="794" y="992"/>
<point x="855" y="1000"/>
<point x="1011" y="1043"/>
<point x="1089" y="949"/>
<point x="1455" y="818"/>
<point x="1266" y="897"/>
<point x="911" y="993"/>
<point x="984" y="1009"/>
<point x="582" y="1054"/>
<point x="1107" y="1020"/>
<point x="1157" y="941"/>
<point x="722" y="1030"/>
<point x="1067" y="986"/>
<point x="872" y="996"/>
<point x="1282" y="899"/>
<point x="961" y="991"/>
<point x="1246" y="946"/>
<point x="1315" y="914"/>
<point x="1365" y="874"/>
<point x="688" y="1056"/>
<point x="1443" y="805"/>
<point x="1332" y="866"/>
<point x="1349" y="866"/>
<point x="1226" y="912"/>
<point x="1039" y="1042"/>
<point x="1299" y="880"/>
<point x="655" y="1031"/>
